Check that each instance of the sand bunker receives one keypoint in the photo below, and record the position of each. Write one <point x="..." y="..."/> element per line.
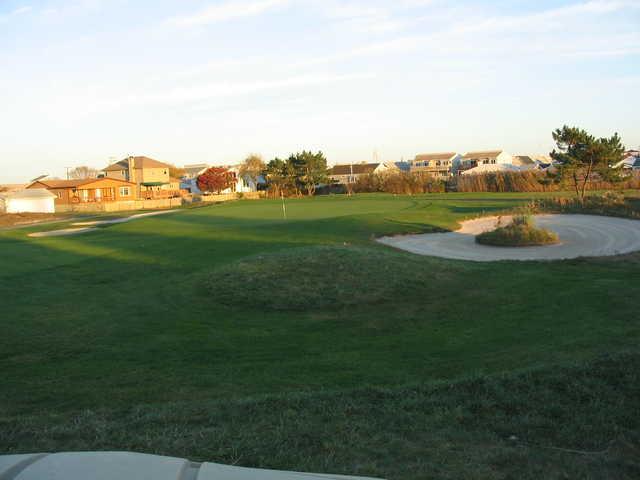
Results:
<point x="580" y="236"/>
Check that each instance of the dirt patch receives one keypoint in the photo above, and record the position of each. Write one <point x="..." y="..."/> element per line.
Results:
<point x="20" y="219"/>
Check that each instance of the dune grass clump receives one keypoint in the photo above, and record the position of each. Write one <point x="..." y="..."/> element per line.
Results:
<point x="521" y="232"/>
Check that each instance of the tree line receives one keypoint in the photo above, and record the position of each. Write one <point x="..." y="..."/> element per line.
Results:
<point x="581" y="162"/>
<point x="299" y="174"/>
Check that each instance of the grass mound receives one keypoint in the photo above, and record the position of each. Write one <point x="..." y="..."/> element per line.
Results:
<point x="312" y="278"/>
<point x="521" y="232"/>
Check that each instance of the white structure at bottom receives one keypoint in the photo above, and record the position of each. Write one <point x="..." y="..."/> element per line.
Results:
<point x="135" y="466"/>
<point x="37" y="200"/>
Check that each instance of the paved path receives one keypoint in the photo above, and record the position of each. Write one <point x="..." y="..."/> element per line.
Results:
<point x="580" y="236"/>
<point x="135" y="466"/>
<point x="83" y="227"/>
<point x="124" y="219"/>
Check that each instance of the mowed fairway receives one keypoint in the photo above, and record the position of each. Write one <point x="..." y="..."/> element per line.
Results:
<point x="217" y="307"/>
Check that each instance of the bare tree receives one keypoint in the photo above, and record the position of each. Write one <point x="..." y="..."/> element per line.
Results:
<point x="253" y="166"/>
<point x="80" y="173"/>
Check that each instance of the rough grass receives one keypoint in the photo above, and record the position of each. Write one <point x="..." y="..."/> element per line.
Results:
<point x="321" y="277"/>
<point x="521" y="232"/>
<point x="579" y="421"/>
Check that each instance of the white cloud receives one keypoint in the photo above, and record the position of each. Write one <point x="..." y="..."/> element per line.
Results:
<point x="546" y="19"/>
<point x="5" y="18"/>
<point x="226" y="11"/>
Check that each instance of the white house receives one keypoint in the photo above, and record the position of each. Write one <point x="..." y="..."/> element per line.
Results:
<point x="492" y="167"/>
<point x="350" y="173"/>
<point x="38" y="200"/>
<point x="485" y="158"/>
<point x="192" y="171"/>
<point x="243" y="183"/>
<point x="630" y="163"/>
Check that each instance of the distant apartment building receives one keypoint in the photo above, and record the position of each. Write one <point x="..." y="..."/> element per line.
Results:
<point x="350" y="173"/>
<point x="439" y="165"/>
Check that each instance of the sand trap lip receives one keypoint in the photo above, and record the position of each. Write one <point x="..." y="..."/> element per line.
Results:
<point x="84" y="227"/>
<point x="580" y="236"/>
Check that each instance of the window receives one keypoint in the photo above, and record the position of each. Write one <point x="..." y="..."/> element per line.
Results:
<point x="125" y="191"/>
<point x="59" y="195"/>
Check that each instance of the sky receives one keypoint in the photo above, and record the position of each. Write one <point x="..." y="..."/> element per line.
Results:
<point x="88" y="82"/>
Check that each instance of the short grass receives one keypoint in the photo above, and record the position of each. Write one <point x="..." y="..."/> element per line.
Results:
<point x="132" y="336"/>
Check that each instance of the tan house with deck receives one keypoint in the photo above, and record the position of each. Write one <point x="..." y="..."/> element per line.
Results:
<point x="439" y="165"/>
<point x="151" y="177"/>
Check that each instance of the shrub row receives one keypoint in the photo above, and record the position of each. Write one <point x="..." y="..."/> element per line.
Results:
<point x="527" y="181"/>
<point x="609" y="203"/>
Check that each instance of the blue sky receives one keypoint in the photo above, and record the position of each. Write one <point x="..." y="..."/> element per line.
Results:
<point x="86" y="81"/>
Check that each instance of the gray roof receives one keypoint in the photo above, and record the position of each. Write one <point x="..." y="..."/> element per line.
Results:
<point x="403" y="166"/>
<point x="353" y="169"/>
<point x="523" y="160"/>
<point x="482" y="154"/>
<point x="422" y="157"/>
<point x="29" y="193"/>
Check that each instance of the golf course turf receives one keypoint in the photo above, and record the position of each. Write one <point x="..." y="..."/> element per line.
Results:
<point x="227" y="333"/>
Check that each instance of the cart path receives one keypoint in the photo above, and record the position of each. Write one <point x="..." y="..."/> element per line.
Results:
<point x="84" y="227"/>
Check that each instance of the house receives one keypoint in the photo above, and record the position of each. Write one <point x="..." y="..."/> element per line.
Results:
<point x="242" y="183"/>
<point x="151" y="177"/>
<point x="246" y="183"/>
<point x="350" y="173"/>
<point x="487" y="157"/>
<point x="525" y="162"/>
<point x="28" y="201"/>
<point x="440" y="165"/>
<point x="490" y="168"/>
<point x="403" y="166"/>
<point x="88" y="190"/>
<point x="629" y="164"/>
<point x="194" y="170"/>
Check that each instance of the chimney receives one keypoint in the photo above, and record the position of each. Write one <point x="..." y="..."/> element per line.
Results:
<point x="130" y="170"/>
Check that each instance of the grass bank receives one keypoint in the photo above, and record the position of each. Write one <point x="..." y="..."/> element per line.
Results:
<point x="576" y="421"/>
